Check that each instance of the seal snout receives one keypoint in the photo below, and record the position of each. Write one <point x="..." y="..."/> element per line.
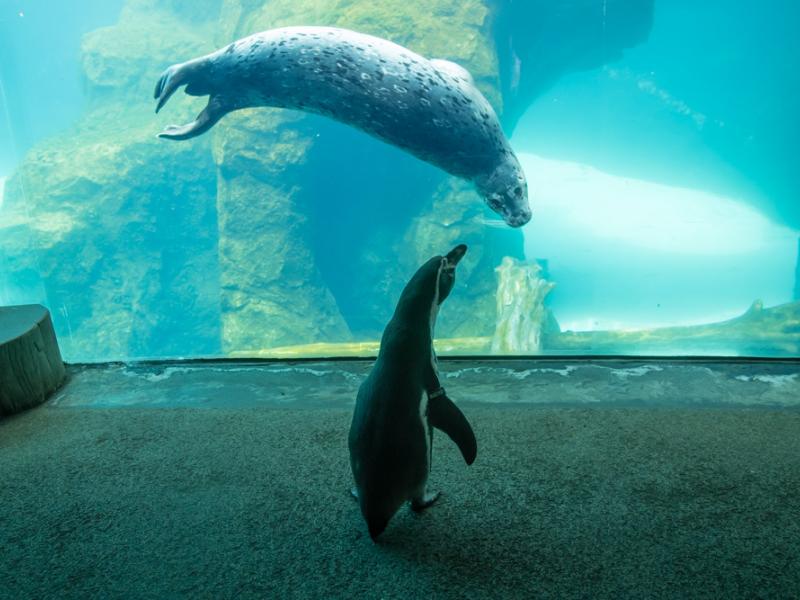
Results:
<point x="520" y="219"/>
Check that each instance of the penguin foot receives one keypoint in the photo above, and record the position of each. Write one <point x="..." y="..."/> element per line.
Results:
<point x="420" y="504"/>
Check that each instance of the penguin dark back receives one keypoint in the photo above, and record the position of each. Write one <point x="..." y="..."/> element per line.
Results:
<point x="402" y="400"/>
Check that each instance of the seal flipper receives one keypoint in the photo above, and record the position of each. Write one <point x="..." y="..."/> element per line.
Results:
<point x="197" y="88"/>
<point x="447" y="417"/>
<point x="171" y="79"/>
<point x="213" y="112"/>
<point x="192" y="74"/>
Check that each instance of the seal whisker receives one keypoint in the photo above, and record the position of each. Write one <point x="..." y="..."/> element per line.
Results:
<point x="496" y="223"/>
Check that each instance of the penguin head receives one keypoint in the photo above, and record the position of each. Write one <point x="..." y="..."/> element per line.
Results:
<point x="431" y="284"/>
<point x="447" y="271"/>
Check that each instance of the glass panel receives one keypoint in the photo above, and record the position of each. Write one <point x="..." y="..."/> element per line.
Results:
<point x="20" y="273"/>
<point x="658" y="140"/>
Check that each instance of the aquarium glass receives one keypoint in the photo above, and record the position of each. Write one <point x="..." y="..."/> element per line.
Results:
<point x="659" y="140"/>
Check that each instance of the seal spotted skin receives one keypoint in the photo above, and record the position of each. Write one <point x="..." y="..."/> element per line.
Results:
<point x="402" y="400"/>
<point x="429" y="108"/>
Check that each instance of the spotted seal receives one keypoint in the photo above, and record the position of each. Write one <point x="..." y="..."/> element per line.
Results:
<point x="430" y="108"/>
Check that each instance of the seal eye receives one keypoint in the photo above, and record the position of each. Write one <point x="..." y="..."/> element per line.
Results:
<point x="494" y="202"/>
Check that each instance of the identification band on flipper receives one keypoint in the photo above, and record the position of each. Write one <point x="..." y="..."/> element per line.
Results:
<point x="437" y="393"/>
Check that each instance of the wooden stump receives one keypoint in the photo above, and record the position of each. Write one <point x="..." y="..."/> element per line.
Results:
<point x="30" y="361"/>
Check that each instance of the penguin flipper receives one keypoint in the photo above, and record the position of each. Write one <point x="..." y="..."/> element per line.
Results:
<point x="446" y="416"/>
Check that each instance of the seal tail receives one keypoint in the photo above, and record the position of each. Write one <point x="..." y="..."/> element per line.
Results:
<point x="213" y="112"/>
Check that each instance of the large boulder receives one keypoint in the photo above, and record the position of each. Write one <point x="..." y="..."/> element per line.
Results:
<point x="113" y="230"/>
<point x="350" y="240"/>
<point x="272" y="293"/>
<point x="538" y="41"/>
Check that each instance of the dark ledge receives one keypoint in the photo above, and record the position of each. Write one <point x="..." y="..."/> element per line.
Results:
<point x="30" y="361"/>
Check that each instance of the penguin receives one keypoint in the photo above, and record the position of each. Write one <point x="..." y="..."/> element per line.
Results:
<point x="402" y="400"/>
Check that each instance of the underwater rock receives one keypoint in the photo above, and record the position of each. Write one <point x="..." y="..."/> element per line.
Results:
<point x="539" y="41"/>
<point x="453" y="217"/>
<point x="272" y="293"/>
<point x="380" y="254"/>
<point x="108" y="229"/>
<point x="118" y="61"/>
<point x="96" y="226"/>
<point x="191" y="12"/>
<point x="760" y="331"/>
<point x="521" y="314"/>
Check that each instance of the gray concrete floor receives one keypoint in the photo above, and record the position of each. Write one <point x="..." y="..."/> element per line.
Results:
<point x="612" y="479"/>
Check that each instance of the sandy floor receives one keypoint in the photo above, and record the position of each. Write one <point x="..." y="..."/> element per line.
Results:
<point x="610" y="480"/>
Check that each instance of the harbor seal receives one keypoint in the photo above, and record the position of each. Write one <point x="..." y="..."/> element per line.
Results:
<point x="401" y="400"/>
<point x="430" y="108"/>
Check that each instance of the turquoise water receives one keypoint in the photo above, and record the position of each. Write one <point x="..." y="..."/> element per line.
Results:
<point x="659" y="140"/>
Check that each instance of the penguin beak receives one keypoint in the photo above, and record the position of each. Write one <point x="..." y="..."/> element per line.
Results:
<point x="456" y="254"/>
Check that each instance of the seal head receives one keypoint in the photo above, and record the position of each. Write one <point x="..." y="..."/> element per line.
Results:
<point x="506" y="192"/>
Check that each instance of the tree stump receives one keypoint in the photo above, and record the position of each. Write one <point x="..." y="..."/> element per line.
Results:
<point x="30" y="361"/>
